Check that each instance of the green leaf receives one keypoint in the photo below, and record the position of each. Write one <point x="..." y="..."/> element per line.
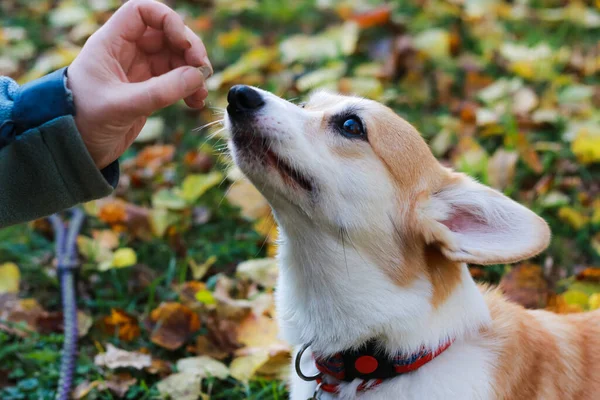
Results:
<point x="196" y="185"/>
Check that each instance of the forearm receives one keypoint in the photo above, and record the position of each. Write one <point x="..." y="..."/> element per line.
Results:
<point x="48" y="169"/>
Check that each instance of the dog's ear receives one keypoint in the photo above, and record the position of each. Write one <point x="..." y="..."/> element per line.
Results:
<point x="473" y="223"/>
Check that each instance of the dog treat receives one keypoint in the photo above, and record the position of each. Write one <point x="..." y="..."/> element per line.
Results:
<point x="206" y="71"/>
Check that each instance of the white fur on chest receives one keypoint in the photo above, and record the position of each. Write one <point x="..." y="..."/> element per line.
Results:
<point x="337" y="307"/>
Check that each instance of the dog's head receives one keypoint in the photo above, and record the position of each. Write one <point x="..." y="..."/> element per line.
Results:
<point x="349" y="163"/>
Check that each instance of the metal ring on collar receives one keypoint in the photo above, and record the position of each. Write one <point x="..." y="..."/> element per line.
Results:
<point x="297" y="365"/>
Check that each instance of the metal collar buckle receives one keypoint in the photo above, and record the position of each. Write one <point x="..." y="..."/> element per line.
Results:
<point x="297" y="365"/>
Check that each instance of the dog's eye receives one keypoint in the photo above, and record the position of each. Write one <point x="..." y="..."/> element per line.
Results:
<point x="352" y="128"/>
<point x="302" y="105"/>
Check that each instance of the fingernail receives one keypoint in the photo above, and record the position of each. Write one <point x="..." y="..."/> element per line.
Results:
<point x="193" y="79"/>
<point x="189" y="44"/>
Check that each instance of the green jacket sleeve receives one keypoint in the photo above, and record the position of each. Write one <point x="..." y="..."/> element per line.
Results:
<point x="48" y="169"/>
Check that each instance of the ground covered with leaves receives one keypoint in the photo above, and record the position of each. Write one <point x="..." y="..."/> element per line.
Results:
<point x="176" y="282"/>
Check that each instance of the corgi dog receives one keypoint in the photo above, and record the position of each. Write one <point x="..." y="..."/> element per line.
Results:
<point x="374" y="289"/>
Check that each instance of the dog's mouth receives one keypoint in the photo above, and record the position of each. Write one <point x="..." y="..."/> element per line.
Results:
<point x="289" y="174"/>
<point x="260" y="148"/>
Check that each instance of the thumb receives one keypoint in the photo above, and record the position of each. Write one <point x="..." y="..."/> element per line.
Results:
<point x="164" y="90"/>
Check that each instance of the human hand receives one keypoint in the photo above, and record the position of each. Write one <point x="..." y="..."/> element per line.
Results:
<point x="143" y="59"/>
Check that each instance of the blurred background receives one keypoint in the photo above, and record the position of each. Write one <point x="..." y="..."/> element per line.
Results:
<point x="177" y="275"/>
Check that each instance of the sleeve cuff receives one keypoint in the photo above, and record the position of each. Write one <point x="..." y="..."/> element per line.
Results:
<point x="42" y="100"/>
<point x="78" y="171"/>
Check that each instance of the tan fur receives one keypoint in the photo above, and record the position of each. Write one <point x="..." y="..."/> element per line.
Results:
<point x="542" y="355"/>
<point x="445" y="275"/>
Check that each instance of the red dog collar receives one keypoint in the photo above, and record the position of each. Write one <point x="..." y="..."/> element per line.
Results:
<point x="368" y="363"/>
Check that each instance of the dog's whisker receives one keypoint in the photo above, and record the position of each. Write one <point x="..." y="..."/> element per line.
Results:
<point x="218" y="121"/>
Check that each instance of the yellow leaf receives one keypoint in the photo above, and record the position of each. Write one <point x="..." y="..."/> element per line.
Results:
<point x="205" y="297"/>
<point x="586" y="146"/>
<point x="196" y="185"/>
<point x="244" y="368"/>
<point x="124" y="257"/>
<point x="244" y="195"/>
<point x="572" y="217"/>
<point x="10" y="277"/>
<point x="576" y="298"/>
<point x="596" y="214"/>
<point x="199" y="270"/>
<point x="434" y="42"/>
<point x="594" y="301"/>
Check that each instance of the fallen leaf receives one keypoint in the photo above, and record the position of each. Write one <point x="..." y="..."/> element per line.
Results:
<point x="434" y="42"/>
<point x="22" y="314"/>
<point x="375" y="17"/>
<point x="199" y="270"/>
<point x="334" y="42"/>
<point x="586" y="146"/>
<point x="172" y="324"/>
<point x="152" y="130"/>
<point x="243" y="194"/>
<point x="501" y="168"/>
<point x="526" y="285"/>
<point x="572" y="217"/>
<point x="262" y="271"/>
<point x="525" y="100"/>
<point x="196" y="185"/>
<point x="124" y="325"/>
<point x="203" y="366"/>
<point x="245" y="367"/>
<point x="594" y="301"/>
<point x="117" y="358"/>
<point x="154" y="157"/>
<point x="181" y="386"/>
<point x="84" y="323"/>
<point x="10" y="277"/>
<point x="124" y="257"/>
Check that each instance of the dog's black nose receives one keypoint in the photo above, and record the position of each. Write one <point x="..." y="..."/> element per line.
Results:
<point x="243" y="98"/>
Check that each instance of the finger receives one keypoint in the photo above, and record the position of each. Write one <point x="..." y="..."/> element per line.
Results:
<point x="131" y="20"/>
<point x="152" y="41"/>
<point x="160" y="63"/>
<point x="176" y="61"/>
<point x="144" y="98"/>
<point x="196" y="100"/>
<point x="196" y="55"/>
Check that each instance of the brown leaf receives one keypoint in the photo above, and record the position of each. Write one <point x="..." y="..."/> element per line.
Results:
<point x="122" y="324"/>
<point x="154" y="157"/>
<point x="526" y="285"/>
<point x="160" y="367"/>
<point x="172" y="324"/>
<point x="589" y="274"/>
<point x="17" y="311"/>
<point x="528" y="153"/>
<point x="375" y="17"/>
<point x="197" y="161"/>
